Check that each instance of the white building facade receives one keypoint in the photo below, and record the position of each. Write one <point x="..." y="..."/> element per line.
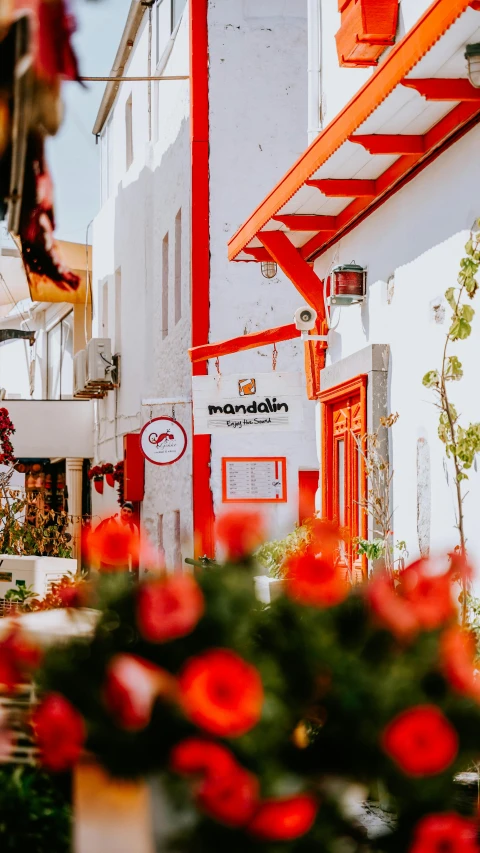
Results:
<point x="391" y="181"/>
<point x="183" y="160"/>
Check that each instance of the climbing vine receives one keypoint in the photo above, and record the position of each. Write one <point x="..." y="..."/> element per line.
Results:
<point x="462" y="443"/>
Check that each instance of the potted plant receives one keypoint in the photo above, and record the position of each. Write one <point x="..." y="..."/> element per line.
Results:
<point x="96" y="474"/>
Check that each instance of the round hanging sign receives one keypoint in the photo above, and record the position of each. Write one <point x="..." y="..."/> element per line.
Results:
<point x="163" y="441"/>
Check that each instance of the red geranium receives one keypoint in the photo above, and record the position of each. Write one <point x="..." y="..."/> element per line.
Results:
<point x="231" y="799"/>
<point x="59" y="731"/>
<point x="169" y="608"/>
<point x="284" y="819"/>
<point x="112" y="544"/>
<point x="457" y="656"/>
<point x="241" y="533"/>
<point x="421" y="741"/>
<point x="421" y="601"/>
<point x="18" y="658"/>
<point x="445" y="833"/>
<point x="198" y="757"/>
<point x="316" y="579"/>
<point x="222" y="693"/>
<point x="131" y="688"/>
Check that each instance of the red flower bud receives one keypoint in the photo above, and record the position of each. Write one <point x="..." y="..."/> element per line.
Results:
<point x="421" y="741"/>
<point x="241" y="532"/>
<point x="169" y="608"/>
<point x="18" y="658"/>
<point x="132" y="685"/>
<point x="59" y="731"/>
<point x="284" y="819"/>
<point x="198" y="757"/>
<point x="438" y="833"/>
<point x="231" y="799"/>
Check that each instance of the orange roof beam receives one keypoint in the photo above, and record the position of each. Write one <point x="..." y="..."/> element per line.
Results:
<point x="306" y="222"/>
<point x="438" y="89"/>
<point x="300" y="273"/>
<point x="340" y="188"/>
<point x="244" y="342"/>
<point x="258" y="253"/>
<point x="399" y="143"/>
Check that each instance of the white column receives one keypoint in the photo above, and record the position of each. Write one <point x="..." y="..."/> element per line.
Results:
<point x="73" y="480"/>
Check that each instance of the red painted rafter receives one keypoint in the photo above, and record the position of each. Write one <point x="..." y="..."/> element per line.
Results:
<point x="436" y="89"/>
<point x="289" y="259"/>
<point x="349" y="188"/>
<point x="403" y="169"/>
<point x="384" y="143"/>
<point x="244" y="342"/>
<point x="304" y="222"/>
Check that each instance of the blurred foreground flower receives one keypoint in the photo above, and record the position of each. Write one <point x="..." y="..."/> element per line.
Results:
<point x="221" y="693"/>
<point x="131" y="687"/>
<point x="241" y="533"/>
<point x="421" y="741"/>
<point x="420" y="601"/>
<point x="18" y="659"/>
<point x="457" y="658"/>
<point x="284" y="819"/>
<point x="445" y="833"/>
<point x="196" y="756"/>
<point x="59" y="731"/>
<point x="112" y="545"/>
<point x="169" y="608"/>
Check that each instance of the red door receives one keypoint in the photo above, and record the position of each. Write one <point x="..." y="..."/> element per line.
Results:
<point x="344" y="486"/>
<point x="307" y="490"/>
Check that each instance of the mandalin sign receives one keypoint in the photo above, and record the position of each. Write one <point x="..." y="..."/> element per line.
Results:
<point x="265" y="402"/>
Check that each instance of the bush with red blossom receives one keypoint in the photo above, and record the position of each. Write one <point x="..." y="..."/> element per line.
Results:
<point x="266" y="722"/>
<point x="7" y="429"/>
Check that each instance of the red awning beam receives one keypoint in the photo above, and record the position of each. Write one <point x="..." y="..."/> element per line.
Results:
<point x="244" y="342"/>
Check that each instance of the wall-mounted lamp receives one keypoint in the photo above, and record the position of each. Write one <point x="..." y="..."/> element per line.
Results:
<point x="348" y="285"/>
<point x="472" y="55"/>
<point x="269" y="269"/>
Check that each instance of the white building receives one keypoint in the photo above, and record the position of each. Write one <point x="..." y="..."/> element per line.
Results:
<point x="182" y="162"/>
<point x="391" y="180"/>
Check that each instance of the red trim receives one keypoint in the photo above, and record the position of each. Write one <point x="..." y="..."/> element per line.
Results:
<point x="244" y="342"/>
<point x="296" y="268"/>
<point x="277" y="459"/>
<point x="403" y="57"/>
<point x="335" y="188"/>
<point x="437" y="89"/>
<point x="203" y="512"/>
<point x="400" y="143"/>
<point x="367" y="28"/>
<point x="302" y="222"/>
<point x="258" y="253"/>
<point x="177" y="458"/>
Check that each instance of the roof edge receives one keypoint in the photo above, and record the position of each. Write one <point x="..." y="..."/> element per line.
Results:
<point x="132" y="25"/>
<point x="432" y="25"/>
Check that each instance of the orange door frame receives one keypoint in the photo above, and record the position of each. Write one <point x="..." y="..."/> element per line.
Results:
<point x="203" y="511"/>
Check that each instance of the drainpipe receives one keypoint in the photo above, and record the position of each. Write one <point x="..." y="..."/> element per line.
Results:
<point x="314" y="69"/>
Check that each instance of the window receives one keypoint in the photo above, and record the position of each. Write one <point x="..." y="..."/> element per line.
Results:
<point x="107" y="164"/>
<point x="60" y="360"/>
<point x="165" y="287"/>
<point x="177" y="9"/>
<point x="129" y="131"/>
<point x="178" y="266"/>
<point x="344" y="483"/>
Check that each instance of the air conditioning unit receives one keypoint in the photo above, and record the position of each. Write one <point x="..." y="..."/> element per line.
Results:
<point x="99" y="363"/>
<point x="39" y="573"/>
<point x="80" y="374"/>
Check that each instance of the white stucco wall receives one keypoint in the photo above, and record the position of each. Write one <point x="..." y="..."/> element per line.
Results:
<point x="418" y="236"/>
<point x="258" y="117"/>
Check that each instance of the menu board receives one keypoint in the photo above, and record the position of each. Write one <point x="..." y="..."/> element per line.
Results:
<point x="255" y="479"/>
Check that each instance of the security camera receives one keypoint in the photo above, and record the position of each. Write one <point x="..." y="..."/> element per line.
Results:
<point x="305" y="318"/>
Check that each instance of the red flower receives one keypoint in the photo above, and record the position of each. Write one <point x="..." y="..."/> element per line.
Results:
<point x="420" y="602"/>
<point x="169" y="608"/>
<point x="132" y="685"/>
<point x="231" y="799"/>
<point x="221" y="693"/>
<point x="241" y="533"/>
<point x="60" y="732"/>
<point x="199" y="757"/>
<point x="113" y="544"/>
<point x="284" y="819"/>
<point x="17" y="659"/>
<point x="421" y="741"/>
<point x="445" y="833"/>
<point x="457" y="656"/>
<point x="316" y="579"/>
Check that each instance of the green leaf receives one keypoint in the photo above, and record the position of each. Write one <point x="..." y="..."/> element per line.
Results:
<point x="460" y="329"/>
<point x="431" y="379"/>
<point x="469" y="247"/>
<point x="450" y="297"/>
<point x="467" y="313"/>
<point x="454" y="369"/>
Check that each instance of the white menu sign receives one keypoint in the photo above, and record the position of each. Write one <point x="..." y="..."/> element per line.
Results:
<point x="262" y="402"/>
<point x="255" y="480"/>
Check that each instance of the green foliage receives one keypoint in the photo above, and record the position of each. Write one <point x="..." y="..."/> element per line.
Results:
<point x="26" y="530"/>
<point x="272" y="555"/>
<point x="35" y="812"/>
<point x="24" y="596"/>
<point x="371" y="550"/>
<point x="461" y="443"/>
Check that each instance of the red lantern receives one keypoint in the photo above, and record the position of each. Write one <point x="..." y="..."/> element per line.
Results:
<point x="368" y="27"/>
<point x="348" y="284"/>
<point x="98" y="483"/>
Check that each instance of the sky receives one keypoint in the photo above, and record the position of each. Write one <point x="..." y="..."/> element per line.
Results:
<point x="73" y="156"/>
